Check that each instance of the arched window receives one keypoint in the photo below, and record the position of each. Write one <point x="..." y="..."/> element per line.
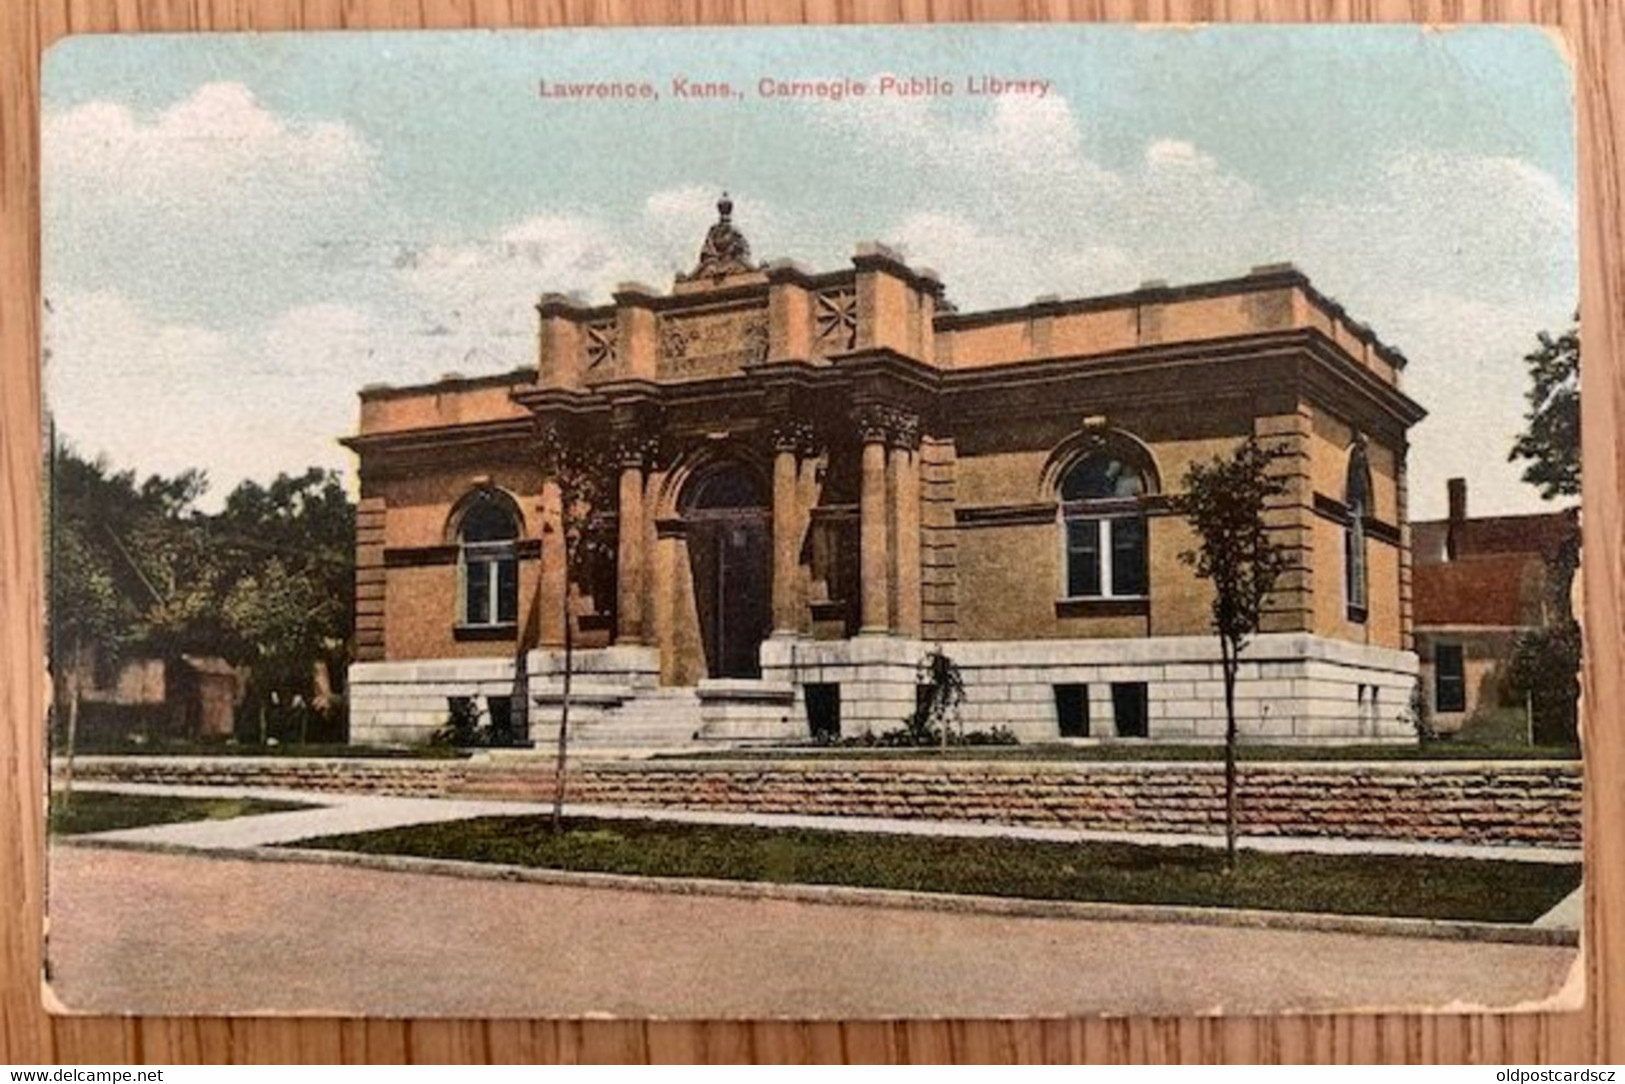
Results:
<point x="488" y="561"/>
<point x="1357" y="502"/>
<point x="1103" y="527"/>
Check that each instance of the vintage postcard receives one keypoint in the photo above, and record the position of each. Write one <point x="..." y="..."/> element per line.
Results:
<point x="846" y="522"/>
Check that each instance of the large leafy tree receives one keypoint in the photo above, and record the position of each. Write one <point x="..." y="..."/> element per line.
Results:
<point x="1550" y="443"/>
<point x="1224" y="501"/>
<point x="287" y="588"/>
<point x="1545" y="662"/>
<point x="91" y="619"/>
<point x="135" y="567"/>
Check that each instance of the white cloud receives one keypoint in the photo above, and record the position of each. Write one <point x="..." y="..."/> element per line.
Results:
<point x="476" y="300"/>
<point x="197" y="156"/>
<point x="212" y="210"/>
<point x="1174" y="153"/>
<point x="978" y="262"/>
<point x="160" y="398"/>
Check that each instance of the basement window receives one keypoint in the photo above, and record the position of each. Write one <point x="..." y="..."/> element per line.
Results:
<point x="1131" y="709"/>
<point x="823" y="710"/>
<point x="1072" y="710"/>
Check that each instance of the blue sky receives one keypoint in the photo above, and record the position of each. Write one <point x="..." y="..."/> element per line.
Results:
<point x="241" y="230"/>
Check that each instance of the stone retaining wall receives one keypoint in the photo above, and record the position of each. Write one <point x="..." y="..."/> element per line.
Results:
<point x="1501" y="802"/>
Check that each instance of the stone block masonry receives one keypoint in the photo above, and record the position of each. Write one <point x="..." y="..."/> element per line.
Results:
<point x="1479" y="802"/>
<point x="1291" y="688"/>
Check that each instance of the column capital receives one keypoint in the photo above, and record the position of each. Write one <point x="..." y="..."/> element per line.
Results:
<point x="887" y="423"/>
<point x="634" y="448"/>
<point x="793" y="433"/>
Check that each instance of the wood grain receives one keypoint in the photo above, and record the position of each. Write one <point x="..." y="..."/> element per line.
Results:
<point x="1595" y="31"/>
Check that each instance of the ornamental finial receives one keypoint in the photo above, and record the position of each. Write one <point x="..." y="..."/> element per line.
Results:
<point x="725" y="252"/>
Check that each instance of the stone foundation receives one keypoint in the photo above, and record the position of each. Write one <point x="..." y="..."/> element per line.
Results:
<point x="404" y="703"/>
<point x="1292" y="688"/>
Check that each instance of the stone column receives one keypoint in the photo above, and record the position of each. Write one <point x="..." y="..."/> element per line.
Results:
<point x="904" y="466"/>
<point x="554" y="572"/>
<point x="873" y="528"/>
<point x="786" y="537"/>
<point x="630" y="557"/>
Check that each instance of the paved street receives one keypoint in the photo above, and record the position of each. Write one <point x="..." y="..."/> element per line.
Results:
<point x="167" y="933"/>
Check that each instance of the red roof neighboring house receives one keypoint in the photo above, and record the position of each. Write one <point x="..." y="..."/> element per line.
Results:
<point x="1458" y="536"/>
<point x="1490" y="571"/>
<point x="1499" y="590"/>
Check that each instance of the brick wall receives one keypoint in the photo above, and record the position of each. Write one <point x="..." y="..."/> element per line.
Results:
<point x="1458" y="802"/>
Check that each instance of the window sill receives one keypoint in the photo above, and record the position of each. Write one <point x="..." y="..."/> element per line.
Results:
<point x="1122" y="606"/>
<point x="462" y="633"/>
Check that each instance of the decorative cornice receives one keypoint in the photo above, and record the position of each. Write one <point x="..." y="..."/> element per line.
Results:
<point x="429" y="556"/>
<point x="438" y="437"/>
<point x="1005" y="515"/>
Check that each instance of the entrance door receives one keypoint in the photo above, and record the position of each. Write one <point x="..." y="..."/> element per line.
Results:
<point x="730" y="557"/>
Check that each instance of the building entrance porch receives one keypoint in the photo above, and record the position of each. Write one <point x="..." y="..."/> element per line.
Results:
<point x="730" y="560"/>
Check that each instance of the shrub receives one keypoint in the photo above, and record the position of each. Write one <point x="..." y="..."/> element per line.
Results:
<point x="909" y="737"/>
<point x="1417" y="714"/>
<point x="462" y="727"/>
<point x="1545" y="668"/>
<point x="467" y="727"/>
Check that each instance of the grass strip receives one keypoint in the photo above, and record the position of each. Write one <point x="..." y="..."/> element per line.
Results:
<point x="105" y="811"/>
<point x="1398" y="886"/>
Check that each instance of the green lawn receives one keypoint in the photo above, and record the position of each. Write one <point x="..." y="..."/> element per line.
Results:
<point x="1120" y="751"/>
<point x="1442" y="888"/>
<point x="104" y="811"/>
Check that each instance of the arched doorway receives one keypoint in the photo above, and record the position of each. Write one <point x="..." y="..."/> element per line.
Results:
<point x="730" y="558"/>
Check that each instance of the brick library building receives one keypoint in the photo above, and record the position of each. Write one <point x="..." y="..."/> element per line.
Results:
<point x="811" y="480"/>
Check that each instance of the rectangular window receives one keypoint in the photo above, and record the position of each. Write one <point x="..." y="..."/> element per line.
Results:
<point x="1128" y="556"/>
<point x="1083" y="578"/>
<point x="1131" y="708"/>
<point x="506" y="726"/>
<point x="1449" y="678"/>
<point x="507" y="600"/>
<point x="477" y="593"/>
<point x="1072" y="710"/>
<point x="1354" y="569"/>
<point x="1105" y="557"/>
<point x="490" y="573"/>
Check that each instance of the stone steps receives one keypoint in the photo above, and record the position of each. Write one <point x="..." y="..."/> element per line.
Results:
<point x="619" y="717"/>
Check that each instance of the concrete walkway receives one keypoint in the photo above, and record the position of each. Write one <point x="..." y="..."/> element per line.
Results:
<point x="363" y="813"/>
<point x="1567" y="915"/>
